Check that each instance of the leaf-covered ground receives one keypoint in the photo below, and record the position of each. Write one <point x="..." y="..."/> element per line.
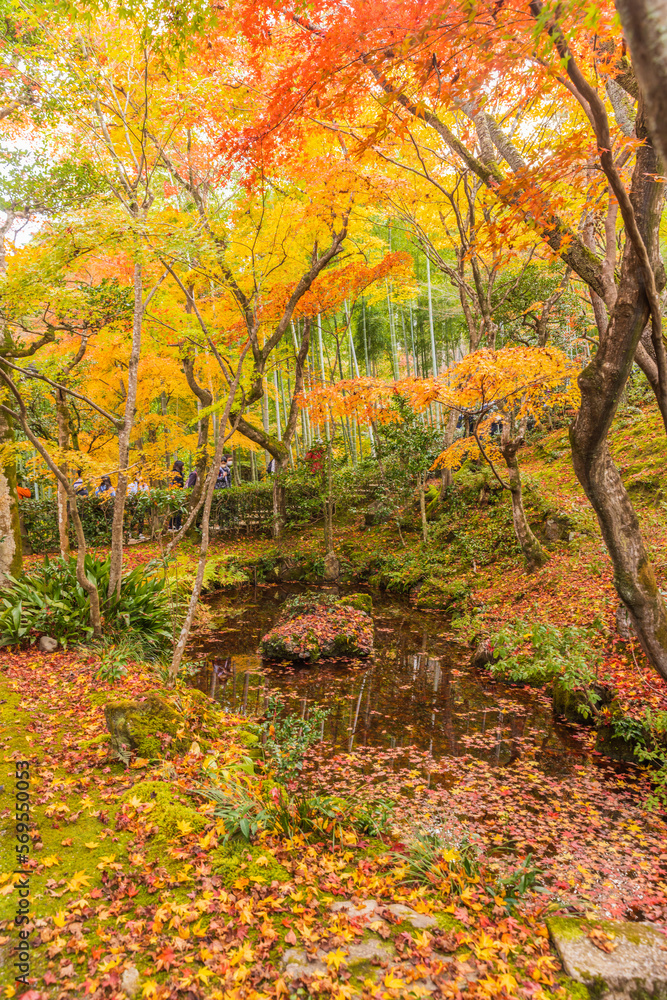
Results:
<point x="118" y="885"/>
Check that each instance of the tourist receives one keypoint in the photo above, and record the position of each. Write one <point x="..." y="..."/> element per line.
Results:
<point x="105" y="488"/>
<point x="79" y="487"/>
<point x="176" y="479"/>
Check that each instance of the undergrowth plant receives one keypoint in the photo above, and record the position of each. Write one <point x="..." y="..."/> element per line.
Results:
<point x="286" y="738"/>
<point x="49" y="600"/>
<point x="537" y="653"/>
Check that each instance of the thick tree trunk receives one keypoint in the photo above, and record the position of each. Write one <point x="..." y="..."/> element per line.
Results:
<point x="645" y="28"/>
<point x="10" y="525"/>
<point x="124" y="439"/>
<point x="602" y="384"/>
<point x="533" y="553"/>
<point x="62" y="417"/>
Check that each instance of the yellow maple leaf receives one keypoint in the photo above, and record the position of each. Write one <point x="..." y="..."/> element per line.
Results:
<point x="59" y="919"/>
<point x="92" y="844"/>
<point x="184" y="826"/>
<point x="78" y="880"/>
<point x="336" y="958"/>
<point x="52" y="860"/>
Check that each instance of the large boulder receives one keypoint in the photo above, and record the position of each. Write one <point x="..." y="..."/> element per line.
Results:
<point x="315" y="627"/>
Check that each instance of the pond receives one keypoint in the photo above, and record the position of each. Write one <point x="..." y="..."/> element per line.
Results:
<point x="418" y="691"/>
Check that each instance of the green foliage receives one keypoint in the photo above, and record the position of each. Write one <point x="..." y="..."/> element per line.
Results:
<point x="536" y="653"/>
<point x="518" y="882"/>
<point x="432" y="859"/>
<point x="49" y="599"/>
<point x="287" y="737"/>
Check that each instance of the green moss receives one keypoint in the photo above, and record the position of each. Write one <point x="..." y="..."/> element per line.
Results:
<point x="168" y="809"/>
<point x="238" y="860"/>
<point x="362" y="602"/>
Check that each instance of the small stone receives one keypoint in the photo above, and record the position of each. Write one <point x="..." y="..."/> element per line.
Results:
<point x="420" y="921"/>
<point x="129" y="981"/>
<point x="637" y="965"/>
<point x="370" y="949"/>
<point x="47" y="644"/>
<point x="552" y="530"/>
<point x="362" y="910"/>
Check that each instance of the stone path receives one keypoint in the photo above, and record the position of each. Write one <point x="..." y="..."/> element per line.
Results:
<point x="372" y="957"/>
<point x="635" y="964"/>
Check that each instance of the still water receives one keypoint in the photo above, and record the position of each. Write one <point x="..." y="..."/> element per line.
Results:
<point x="417" y="691"/>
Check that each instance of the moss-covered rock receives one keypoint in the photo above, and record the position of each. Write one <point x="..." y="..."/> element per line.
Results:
<point x="238" y="860"/>
<point x="581" y="705"/>
<point x="319" y="626"/>
<point x="439" y="592"/>
<point x="152" y="727"/>
<point x="362" y="602"/>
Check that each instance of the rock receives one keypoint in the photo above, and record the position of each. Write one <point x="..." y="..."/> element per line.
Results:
<point x="370" y="950"/>
<point x="362" y="602"/>
<point x="483" y="655"/>
<point x="582" y="706"/>
<point x="552" y="530"/>
<point x="624" y="624"/>
<point x="129" y="981"/>
<point x="636" y="967"/>
<point x="150" y="727"/>
<point x="331" y="569"/>
<point x="620" y="747"/>
<point x="47" y="644"/>
<point x="319" y="626"/>
<point x="364" y="909"/>
<point x="420" y="921"/>
<point x="297" y="964"/>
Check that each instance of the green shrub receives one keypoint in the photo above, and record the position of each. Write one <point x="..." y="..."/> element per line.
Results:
<point x="535" y="653"/>
<point x="49" y="599"/>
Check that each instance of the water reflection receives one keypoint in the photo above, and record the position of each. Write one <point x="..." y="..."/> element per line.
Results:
<point x="418" y="691"/>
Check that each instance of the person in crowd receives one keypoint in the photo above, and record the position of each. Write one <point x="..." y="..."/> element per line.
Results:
<point x="105" y="488"/>
<point x="224" y="480"/>
<point x="79" y="487"/>
<point x="271" y="466"/>
<point x="176" y="479"/>
<point x="192" y="479"/>
<point x="24" y="492"/>
<point x="138" y="485"/>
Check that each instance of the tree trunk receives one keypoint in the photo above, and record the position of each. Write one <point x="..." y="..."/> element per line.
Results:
<point x="10" y="525"/>
<point x="88" y="586"/>
<point x="62" y="416"/>
<point x="645" y="28"/>
<point x="422" y="506"/>
<point x="179" y="649"/>
<point x="290" y="427"/>
<point x="206" y="400"/>
<point x="602" y="384"/>
<point x="124" y="439"/>
<point x="533" y="552"/>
